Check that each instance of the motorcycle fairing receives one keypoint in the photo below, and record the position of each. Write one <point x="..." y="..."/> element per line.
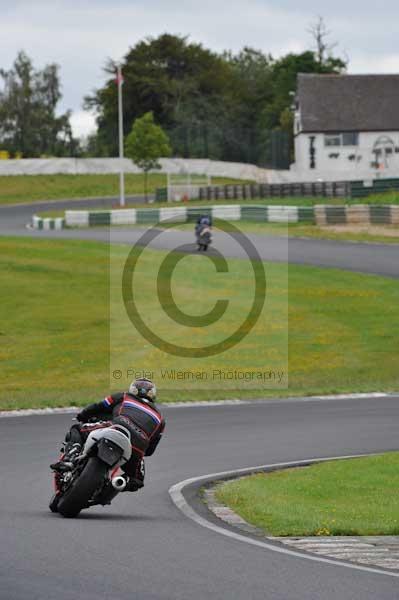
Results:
<point x="113" y="439"/>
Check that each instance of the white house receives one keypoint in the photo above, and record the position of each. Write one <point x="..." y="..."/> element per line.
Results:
<point x="346" y="127"/>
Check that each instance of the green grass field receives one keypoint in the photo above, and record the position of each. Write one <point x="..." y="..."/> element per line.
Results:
<point x="343" y="327"/>
<point x="349" y="497"/>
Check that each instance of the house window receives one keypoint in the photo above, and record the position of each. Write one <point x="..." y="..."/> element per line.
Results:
<point x="341" y="139"/>
<point x="332" y="140"/>
<point x="350" y="139"/>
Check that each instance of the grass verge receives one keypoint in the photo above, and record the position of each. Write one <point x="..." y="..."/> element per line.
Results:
<point x="348" y="497"/>
<point x="387" y="234"/>
<point x="343" y="327"/>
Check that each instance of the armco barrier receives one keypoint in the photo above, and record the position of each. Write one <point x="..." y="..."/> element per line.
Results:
<point x="321" y="214"/>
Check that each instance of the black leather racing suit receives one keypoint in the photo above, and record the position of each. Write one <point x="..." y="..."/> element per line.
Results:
<point x="142" y="418"/>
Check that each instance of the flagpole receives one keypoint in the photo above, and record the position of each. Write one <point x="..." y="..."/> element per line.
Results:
<point x="120" y="123"/>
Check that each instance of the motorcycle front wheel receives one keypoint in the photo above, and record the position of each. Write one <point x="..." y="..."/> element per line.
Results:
<point x="80" y="493"/>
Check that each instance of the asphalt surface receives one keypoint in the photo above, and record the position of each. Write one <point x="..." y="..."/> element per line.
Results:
<point x="366" y="258"/>
<point x="143" y="547"/>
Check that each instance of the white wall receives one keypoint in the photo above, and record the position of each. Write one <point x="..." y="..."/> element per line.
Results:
<point x="329" y="168"/>
<point x="47" y="166"/>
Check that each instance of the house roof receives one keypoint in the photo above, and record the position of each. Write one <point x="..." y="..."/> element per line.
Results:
<point x="338" y="103"/>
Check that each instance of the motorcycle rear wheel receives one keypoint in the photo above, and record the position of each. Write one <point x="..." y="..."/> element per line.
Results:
<point x="79" y="495"/>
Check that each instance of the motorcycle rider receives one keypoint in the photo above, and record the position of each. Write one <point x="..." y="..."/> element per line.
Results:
<point x="203" y="231"/>
<point x="136" y="411"/>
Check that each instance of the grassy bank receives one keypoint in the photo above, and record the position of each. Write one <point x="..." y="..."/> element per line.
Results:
<point x="350" y="497"/>
<point x="29" y="188"/>
<point x="343" y="327"/>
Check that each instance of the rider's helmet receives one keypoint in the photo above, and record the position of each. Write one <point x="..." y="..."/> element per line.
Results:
<point x="205" y="220"/>
<point x="144" y="389"/>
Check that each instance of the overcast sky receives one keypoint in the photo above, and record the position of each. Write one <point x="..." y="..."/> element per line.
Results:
<point x="80" y="34"/>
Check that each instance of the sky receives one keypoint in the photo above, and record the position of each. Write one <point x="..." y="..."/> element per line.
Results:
<point x="79" y="35"/>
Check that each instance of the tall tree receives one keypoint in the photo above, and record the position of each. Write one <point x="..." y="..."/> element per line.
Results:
<point x="253" y="89"/>
<point x="179" y="82"/>
<point x="28" y="102"/>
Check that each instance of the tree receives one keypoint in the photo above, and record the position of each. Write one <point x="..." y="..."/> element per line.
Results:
<point x="145" y="144"/>
<point x="223" y="107"/>
<point x="252" y="90"/>
<point x="28" y="120"/>
<point x="167" y="76"/>
<point x="319" y="32"/>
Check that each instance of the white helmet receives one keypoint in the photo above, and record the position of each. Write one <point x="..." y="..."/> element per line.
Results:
<point x="144" y="389"/>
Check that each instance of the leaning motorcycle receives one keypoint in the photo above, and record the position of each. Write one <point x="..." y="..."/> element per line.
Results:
<point x="95" y="477"/>
<point x="204" y="237"/>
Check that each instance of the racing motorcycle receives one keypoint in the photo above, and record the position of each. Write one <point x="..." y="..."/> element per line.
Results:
<point x="203" y="234"/>
<point x="95" y="477"/>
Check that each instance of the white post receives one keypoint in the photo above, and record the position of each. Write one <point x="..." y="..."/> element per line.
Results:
<point x="120" y="121"/>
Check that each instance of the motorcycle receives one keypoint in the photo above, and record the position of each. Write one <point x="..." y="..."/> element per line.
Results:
<point x="95" y="477"/>
<point x="204" y="236"/>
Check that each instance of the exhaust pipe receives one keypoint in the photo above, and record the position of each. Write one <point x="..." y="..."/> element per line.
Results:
<point x="119" y="483"/>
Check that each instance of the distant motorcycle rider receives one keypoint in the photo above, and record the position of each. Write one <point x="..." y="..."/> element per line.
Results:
<point x="136" y="411"/>
<point x="203" y="231"/>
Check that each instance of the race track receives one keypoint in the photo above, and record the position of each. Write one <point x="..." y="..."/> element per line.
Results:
<point x="143" y="547"/>
<point x="367" y="258"/>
